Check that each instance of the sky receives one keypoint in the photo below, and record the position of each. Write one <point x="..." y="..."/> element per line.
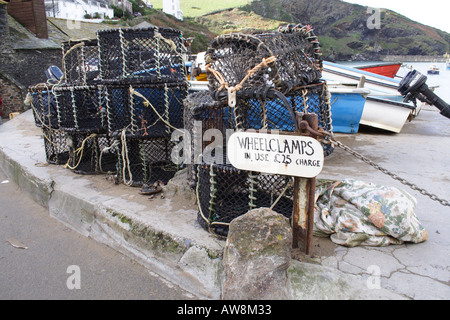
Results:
<point x="432" y="13"/>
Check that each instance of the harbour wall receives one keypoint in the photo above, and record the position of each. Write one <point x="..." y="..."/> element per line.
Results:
<point x="395" y="58"/>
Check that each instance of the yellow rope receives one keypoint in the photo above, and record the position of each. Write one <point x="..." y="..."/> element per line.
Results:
<point x="148" y="104"/>
<point x="79" y="152"/>
<point x="250" y="73"/>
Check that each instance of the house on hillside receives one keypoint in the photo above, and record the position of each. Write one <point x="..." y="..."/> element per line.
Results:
<point x="173" y="8"/>
<point x="78" y="9"/>
<point x="125" y="5"/>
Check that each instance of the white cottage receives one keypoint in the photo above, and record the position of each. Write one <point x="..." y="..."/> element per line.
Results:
<point x="173" y="8"/>
<point x="78" y="9"/>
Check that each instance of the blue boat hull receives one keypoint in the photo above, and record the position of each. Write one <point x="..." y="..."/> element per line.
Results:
<point x="346" y="110"/>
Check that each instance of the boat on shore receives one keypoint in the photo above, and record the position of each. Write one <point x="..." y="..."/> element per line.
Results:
<point x="379" y="85"/>
<point x="387" y="114"/>
<point x="387" y="69"/>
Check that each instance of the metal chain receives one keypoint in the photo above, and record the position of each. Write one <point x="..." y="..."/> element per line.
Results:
<point x="384" y="170"/>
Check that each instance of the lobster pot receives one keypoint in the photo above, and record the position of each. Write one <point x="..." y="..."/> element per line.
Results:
<point x="144" y="109"/>
<point x="56" y="146"/>
<point x="81" y="109"/>
<point x="146" y="161"/>
<point x="43" y="104"/>
<point x="263" y="113"/>
<point x="80" y="62"/>
<point x="92" y="153"/>
<point x="225" y="193"/>
<point x="201" y="113"/>
<point x="154" y="54"/>
<point x="282" y="60"/>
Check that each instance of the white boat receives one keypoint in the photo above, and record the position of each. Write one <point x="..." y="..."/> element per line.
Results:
<point x="387" y="114"/>
<point x="384" y="108"/>
<point x="434" y="69"/>
<point x="377" y="84"/>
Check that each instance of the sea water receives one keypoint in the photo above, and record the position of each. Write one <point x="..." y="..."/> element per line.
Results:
<point x="441" y="81"/>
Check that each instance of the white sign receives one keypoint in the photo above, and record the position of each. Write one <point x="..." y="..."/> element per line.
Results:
<point x="296" y="156"/>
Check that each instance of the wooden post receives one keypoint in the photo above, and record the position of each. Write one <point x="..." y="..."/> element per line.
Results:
<point x="304" y="198"/>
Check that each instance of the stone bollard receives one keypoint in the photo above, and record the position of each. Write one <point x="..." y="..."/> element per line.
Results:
<point x="256" y="257"/>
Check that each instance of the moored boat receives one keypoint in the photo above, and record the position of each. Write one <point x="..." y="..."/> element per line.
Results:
<point x="434" y="69"/>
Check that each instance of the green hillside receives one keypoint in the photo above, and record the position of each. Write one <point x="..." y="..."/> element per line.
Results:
<point x="342" y="27"/>
<point x="195" y="8"/>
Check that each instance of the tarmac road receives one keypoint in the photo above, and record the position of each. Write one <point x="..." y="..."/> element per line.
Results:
<point x="60" y="264"/>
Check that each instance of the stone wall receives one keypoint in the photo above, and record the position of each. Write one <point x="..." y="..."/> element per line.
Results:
<point x="28" y="67"/>
<point x="20" y="69"/>
<point x="412" y="58"/>
<point x="12" y="96"/>
<point x="4" y="28"/>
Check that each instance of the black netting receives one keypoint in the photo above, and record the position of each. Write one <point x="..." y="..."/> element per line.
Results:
<point x="225" y="193"/>
<point x="80" y="62"/>
<point x="92" y="153"/>
<point x="151" y="53"/>
<point x="145" y="110"/>
<point x="282" y="60"/>
<point x="262" y="113"/>
<point x="201" y="113"/>
<point x="43" y="104"/>
<point x="56" y="146"/>
<point x="146" y="161"/>
<point x="81" y="108"/>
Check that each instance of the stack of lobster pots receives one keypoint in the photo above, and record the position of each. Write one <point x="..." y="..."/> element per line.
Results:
<point x="81" y="110"/>
<point x="43" y="103"/>
<point x="143" y="76"/>
<point x="256" y="81"/>
<point x="116" y="104"/>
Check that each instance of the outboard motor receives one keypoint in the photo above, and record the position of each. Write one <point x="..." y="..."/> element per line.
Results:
<point x="414" y="86"/>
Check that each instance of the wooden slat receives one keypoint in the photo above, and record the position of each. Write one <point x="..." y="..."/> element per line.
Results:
<point x="31" y="14"/>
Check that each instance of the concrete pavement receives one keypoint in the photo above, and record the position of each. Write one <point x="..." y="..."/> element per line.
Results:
<point x="163" y="235"/>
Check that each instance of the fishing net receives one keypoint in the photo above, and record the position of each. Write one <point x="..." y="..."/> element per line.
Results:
<point x="80" y="62"/>
<point x="151" y="53"/>
<point x="145" y="161"/>
<point x="56" y="146"/>
<point x="81" y="108"/>
<point x="144" y="109"/>
<point x="92" y="153"/>
<point x="43" y="104"/>
<point x="282" y="60"/>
